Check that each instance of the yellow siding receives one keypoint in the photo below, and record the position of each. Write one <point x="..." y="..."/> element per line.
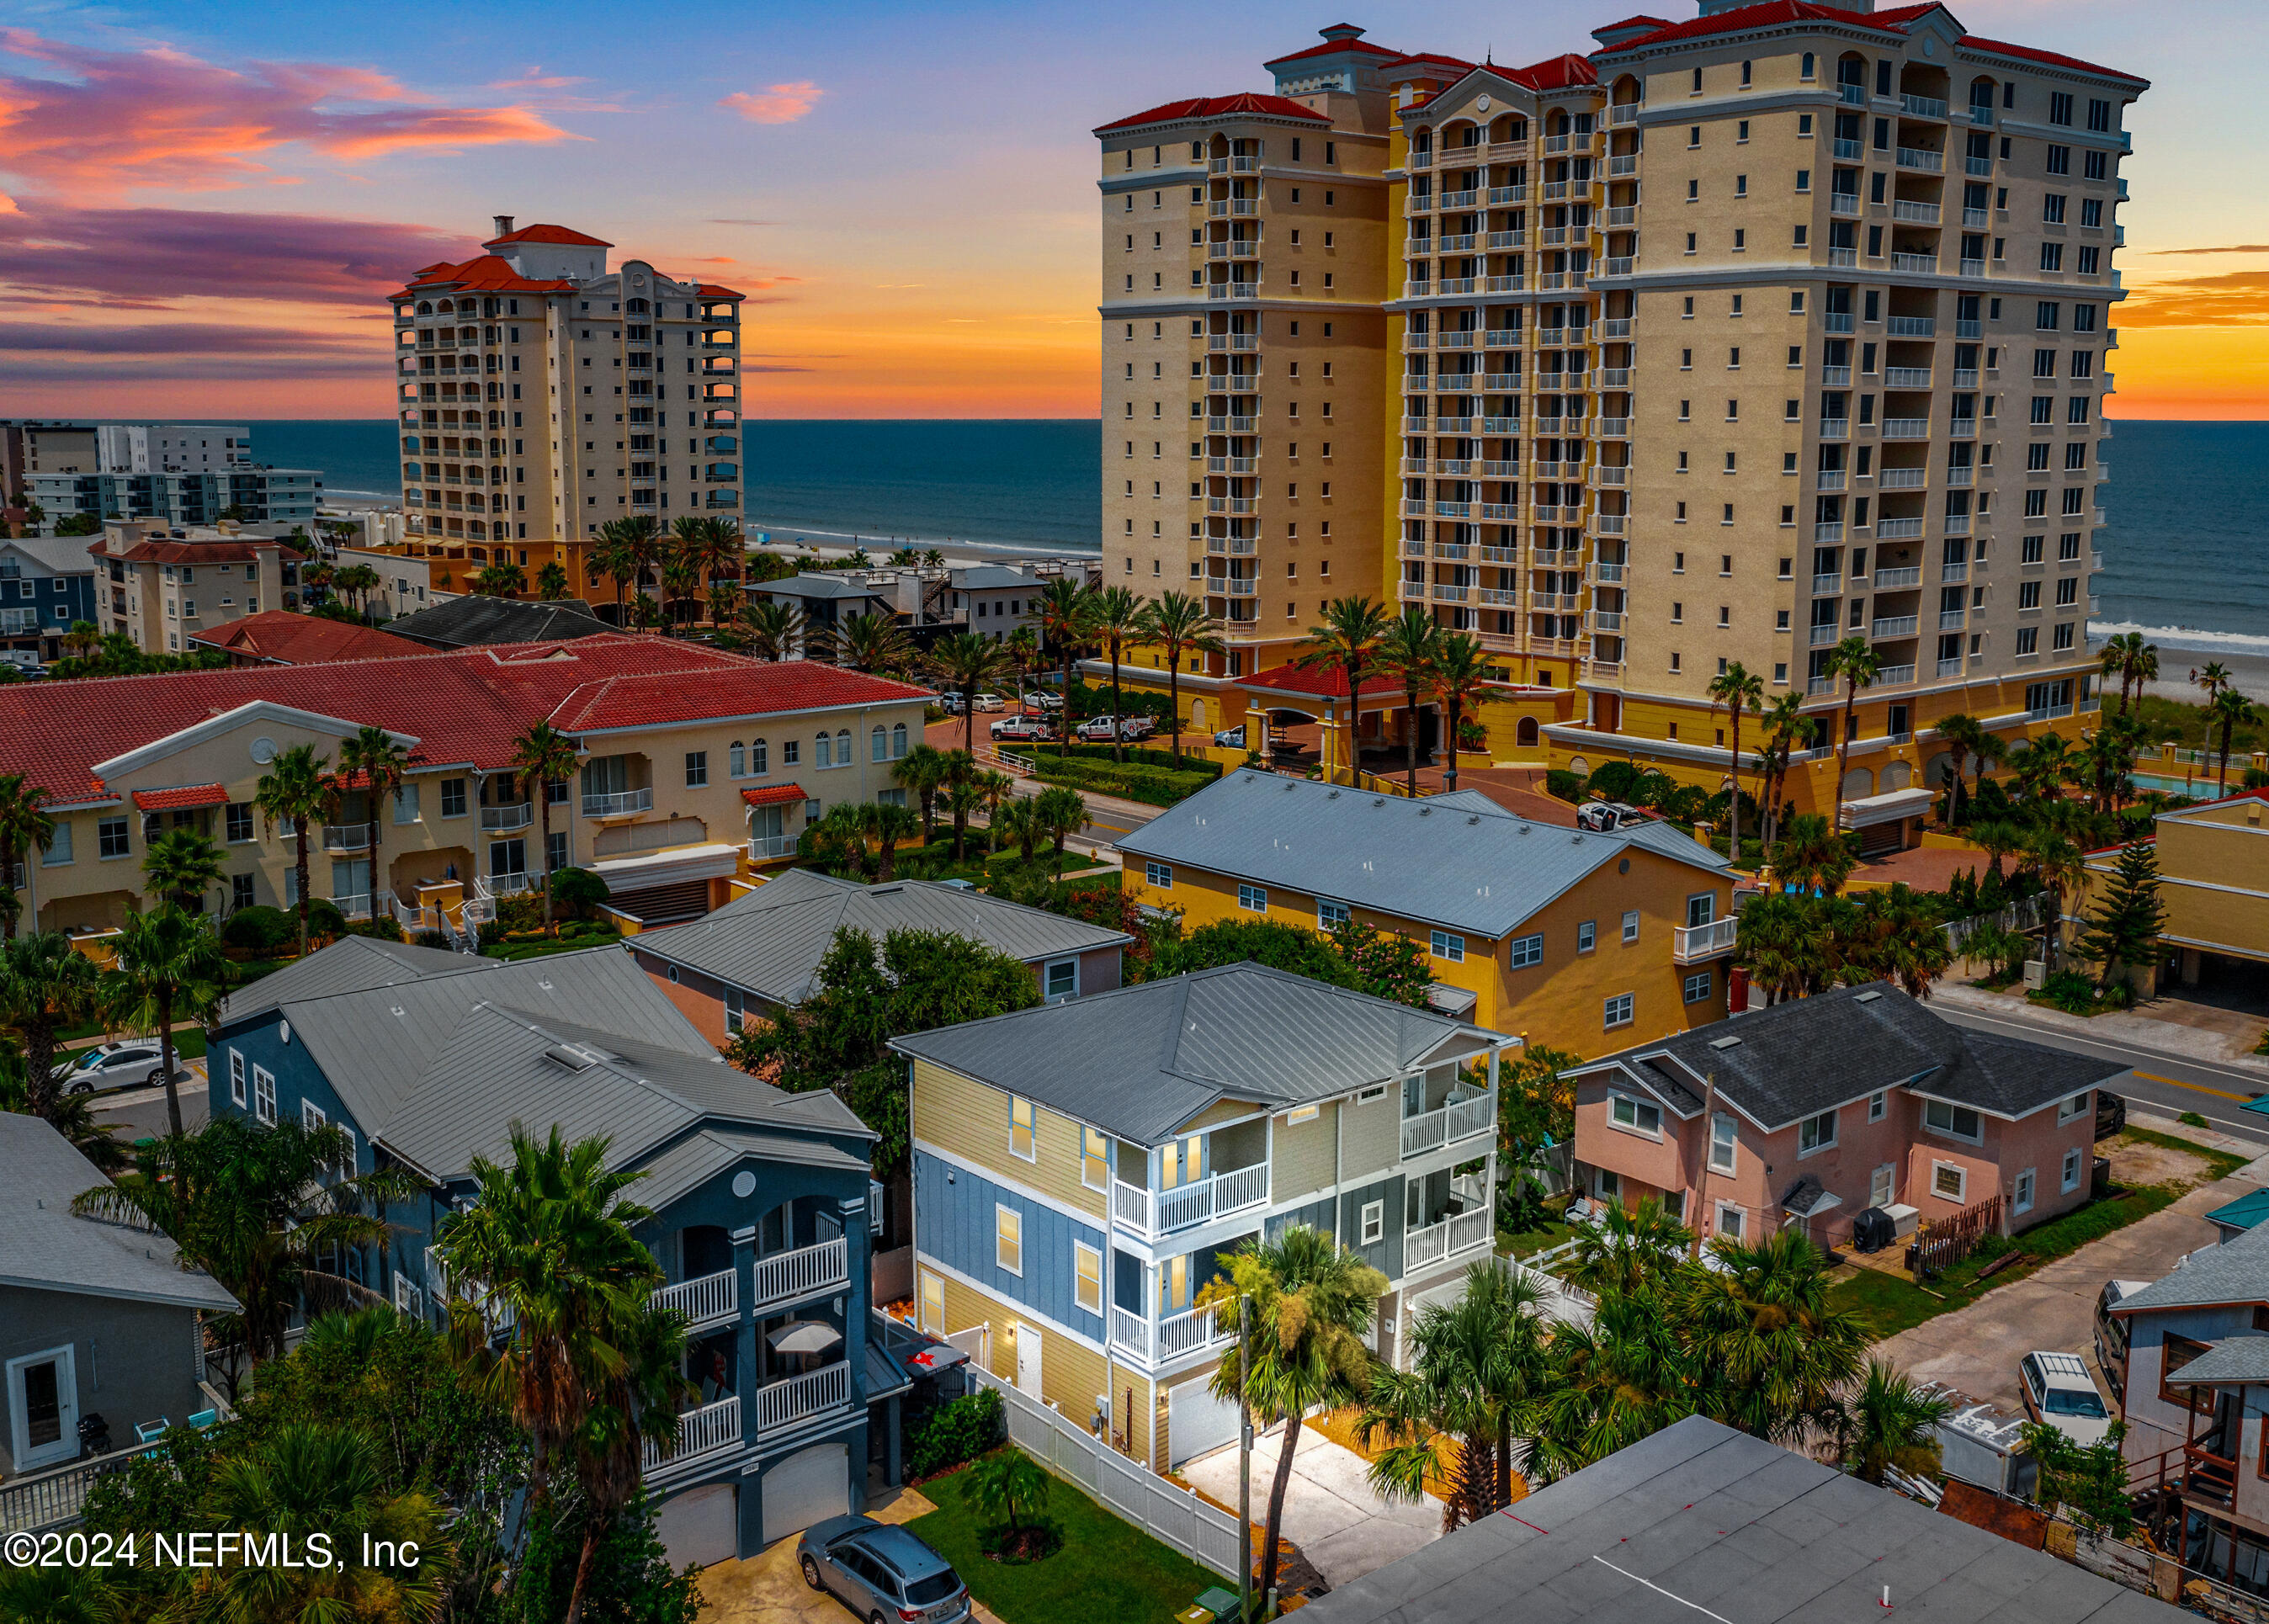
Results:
<point x="1303" y="1160"/>
<point x="1220" y="1110"/>
<point x="971" y="1120"/>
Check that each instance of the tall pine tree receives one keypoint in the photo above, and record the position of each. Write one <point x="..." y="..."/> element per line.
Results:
<point x="2123" y="930"/>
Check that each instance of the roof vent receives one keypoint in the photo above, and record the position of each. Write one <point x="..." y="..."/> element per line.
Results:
<point x="574" y="1060"/>
<point x="1335" y="795"/>
<point x="1379" y="800"/>
<point x="1723" y="1043"/>
<point x="1425" y="811"/>
<point x="1473" y="818"/>
<point x="1866" y="998"/>
<point x="886" y="890"/>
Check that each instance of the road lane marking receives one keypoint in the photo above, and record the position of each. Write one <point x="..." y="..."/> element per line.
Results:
<point x="2195" y="1087"/>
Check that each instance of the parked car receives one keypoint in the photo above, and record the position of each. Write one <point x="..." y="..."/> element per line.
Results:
<point x="881" y="1572"/>
<point x="990" y="702"/>
<point x="2111" y="1332"/>
<point x="115" y="1066"/>
<point x="2110" y="1114"/>
<point x="2058" y="1393"/>
<point x="1097" y="730"/>
<point x="1606" y="817"/>
<point x="1041" y="700"/>
<point x="1230" y="738"/>
<point x="1140" y="726"/>
<point x="1021" y="729"/>
<point x="950" y="702"/>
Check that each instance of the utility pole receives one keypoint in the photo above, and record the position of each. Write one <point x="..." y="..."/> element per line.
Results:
<point x="1244" y="1462"/>
<point x="1709" y="1145"/>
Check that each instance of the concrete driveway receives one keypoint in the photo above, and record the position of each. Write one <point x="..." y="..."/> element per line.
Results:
<point x="768" y="1589"/>
<point x="1335" y="1516"/>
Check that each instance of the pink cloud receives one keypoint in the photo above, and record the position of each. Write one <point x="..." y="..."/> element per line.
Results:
<point x="778" y="104"/>
<point x="161" y="117"/>
<point x="536" y="78"/>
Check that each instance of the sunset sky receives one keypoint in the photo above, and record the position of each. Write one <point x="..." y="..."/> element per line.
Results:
<point x="201" y="209"/>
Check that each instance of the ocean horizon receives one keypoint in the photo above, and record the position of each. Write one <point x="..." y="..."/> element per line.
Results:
<point x="2183" y="561"/>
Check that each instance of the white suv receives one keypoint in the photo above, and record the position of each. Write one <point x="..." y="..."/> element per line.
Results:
<point x="2058" y="1393"/>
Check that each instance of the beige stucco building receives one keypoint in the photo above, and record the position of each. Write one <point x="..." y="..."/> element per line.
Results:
<point x="163" y="585"/>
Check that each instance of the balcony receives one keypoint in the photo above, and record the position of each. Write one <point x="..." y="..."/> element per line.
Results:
<point x="1155" y="1213"/>
<point x="1836" y="377"/>
<point x="710" y="1300"/>
<point x="1922" y="158"/>
<point x="1828" y="479"/>
<point x="1836" y="428"/>
<point x="712" y="1429"/>
<point x="620" y="804"/>
<point x="1950" y="667"/>
<point x="1690" y="944"/>
<point x="1909" y="575"/>
<point x="1826" y="530"/>
<point x="1906" y="428"/>
<point x="1453" y="1237"/>
<point x="1466" y="1111"/>
<point x="1949" y="620"/>
<point x="498" y="820"/>
<point x="1233" y="341"/>
<point x="1925" y="264"/>
<point x="1922" y="107"/>
<point x="1823" y="635"/>
<point x="781" y="1404"/>
<point x="1154" y="1342"/>
<point x="1903" y="478"/>
<point x="346" y="837"/>
<point x="1895" y="676"/>
<point x="1913" y="327"/>
<point x="1896" y="530"/>
<point x="769" y="848"/>
<point x="1232" y="290"/>
<point x="1915" y="213"/>
<point x="807" y="1271"/>
<point x="1888" y="627"/>
<point x="1850" y="152"/>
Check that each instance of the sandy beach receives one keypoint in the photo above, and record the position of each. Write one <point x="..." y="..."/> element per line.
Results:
<point x="2178" y="666"/>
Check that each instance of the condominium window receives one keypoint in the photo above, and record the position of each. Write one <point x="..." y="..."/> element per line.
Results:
<point x="1698" y="986"/>
<point x="1160" y="874"/>
<point x="1023" y="1139"/>
<point x="697" y="768"/>
<point x="1644" y="1116"/>
<point x="1617" y="1010"/>
<point x="1009" y="1239"/>
<point x="1725" y="1138"/>
<point x="239" y="821"/>
<point x="1527" y="950"/>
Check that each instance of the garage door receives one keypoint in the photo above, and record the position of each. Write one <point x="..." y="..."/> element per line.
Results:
<point x="1196" y="1422"/>
<point x="701" y="1526"/>
<point x="806" y="1488"/>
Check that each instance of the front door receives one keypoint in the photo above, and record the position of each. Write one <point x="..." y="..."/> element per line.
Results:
<point x="42" y="1409"/>
<point x="1028" y="1348"/>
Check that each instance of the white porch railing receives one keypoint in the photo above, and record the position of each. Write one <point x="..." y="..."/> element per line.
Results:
<point x="497" y="819"/>
<point x="703" y="1300"/>
<point x="616" y="805"/>
<point x="709" y="1430"/>
<point x="764" y="848"/>
<point x="802" y="1273"/>
<point x="346" y="837"/>
<point x="53" y="1497"/>
<point x="1446" y="1239"/>
<point x="1689" y="943"/>
<point x="1156" y="1212"/>
<point x="800" y="1398"/>
<point x="1468" y="1111"/>
<point x="489" y="887"/>
<point x="1155" y="1341"/>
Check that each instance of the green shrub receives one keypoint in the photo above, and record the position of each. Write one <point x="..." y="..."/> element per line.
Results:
<point x="1136" y="755"/>
<point x="260" y="929"/>
<point x="1156" y="787"/>
<point x="576" y="891"/>
<point x="1564" y="786"/>
<point x="382" y="928"/>
<point x="956" y="1432"/>
<point x="2071" y="991"/>
<point x="1612" y="780"/>
<point x="324" y="918"/>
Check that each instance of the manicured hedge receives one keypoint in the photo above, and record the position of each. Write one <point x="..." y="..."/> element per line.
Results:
<point x="1156" y="787"/>
<point x="1136" y="755"/>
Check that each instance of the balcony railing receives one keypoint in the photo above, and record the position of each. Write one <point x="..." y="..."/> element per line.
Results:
<point x="1893" y="627"/>
<point x="702" y="1302"/>
<point x="1693" y="943"/>
<point x="1465" y="1232"/>
<point x="710" y="1430"/>
<point x="787" y="1276"/>
<point x="618" y="804"/>
<point x="765" y="848"/>
<point x="1918" y="158"/>
<point x="800" y="1398"/>
<point x="1170" y="1338"/>
<point x="1898" y="575"/>
<point x="346" y="837"/>
<point x="1160" y="1212"/>
<point x="500" y="818"/>
<point x="1469" y="1110"/>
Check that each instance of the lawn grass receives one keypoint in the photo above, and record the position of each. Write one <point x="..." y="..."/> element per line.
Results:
<point x="1106" y="1572"/>
<point x="1889" y="1303"/>
<point x="1528" y="1243"/>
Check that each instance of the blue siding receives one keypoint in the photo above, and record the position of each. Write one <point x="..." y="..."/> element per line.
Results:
<point x="955" y="1222"/>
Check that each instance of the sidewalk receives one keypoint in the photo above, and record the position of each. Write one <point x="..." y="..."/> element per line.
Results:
<point x="2173" y="1027"/>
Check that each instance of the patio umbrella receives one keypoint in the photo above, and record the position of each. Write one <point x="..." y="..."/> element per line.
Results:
<point x="805" y="1336"/>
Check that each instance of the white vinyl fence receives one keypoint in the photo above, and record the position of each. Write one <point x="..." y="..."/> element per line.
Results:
<point x="2027" y="913"/>
<point x="1176" y="1517"/>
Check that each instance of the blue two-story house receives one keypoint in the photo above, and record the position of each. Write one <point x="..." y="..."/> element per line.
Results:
<point x="46" y="583"/>
<point x="761" y="1200"/>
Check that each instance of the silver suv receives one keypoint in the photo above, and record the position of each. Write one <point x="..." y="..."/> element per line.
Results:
<point x="881" y="1572"/>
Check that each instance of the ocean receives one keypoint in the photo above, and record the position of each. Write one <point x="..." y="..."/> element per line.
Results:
<point x="2183" y="562"/>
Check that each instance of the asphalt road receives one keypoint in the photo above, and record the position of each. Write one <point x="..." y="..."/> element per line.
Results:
<point x="2166" y="1082"/>
<point x="140" y="1113"/>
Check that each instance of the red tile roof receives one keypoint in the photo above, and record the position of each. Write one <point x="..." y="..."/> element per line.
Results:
<point x="463" y="706"/>
<point x="1554" y="73"/>
<point x="774" y="795"/>
<point x="1636" y="21"/>
<point x="488" y="274"/>
<point x="181" y="797"/>
<point x="228" y="551"/>
<point x="710" y="290"/>
<point x="2025" y="53"/>
<point x="1773" y="13"/>
<point x="1218" y="107"/>
<point x="1332" y="48"/>
<point x="549" y="233"/>
<point x="279" y="637"/>
<point x="1324" y="682"/>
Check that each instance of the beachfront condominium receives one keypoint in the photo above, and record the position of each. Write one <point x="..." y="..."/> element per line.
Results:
<point x="1738" y="337"/>
<point x="173" y="448"/>
<point x="541" y="395"/>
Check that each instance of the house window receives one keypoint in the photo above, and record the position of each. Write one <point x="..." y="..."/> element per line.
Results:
<point x="1253" y="898"/>
<point x="1879" y="1185"/>
<point x="1630" y="926"/>
<point x="57" y="854"/>
<point x="1608" y="1186"/>
<point x="1087" y="1277"/>
<point x="1725" y="1141"/>
<point x="933" y="1303"/>
<point x="1330" y="914"/>
<point x="1009" y="1239"/>
<point x="760" y="757"/>
<point x="453" y="797"/>
<point x="1159" y="875"/>
<point x="2022" y="1200"/>
<point x="2066" y="1110"/>
<point x="263" y="1094"/>
<point x="1374" y="1222"/>
<point x="1698" y="986"/>
<point x="879" y="744"/>
<point x="236" y="1077"/>
<point x="1448" y="945"/>
<point x="114" y="837"/>
<point x="1640" y="1116"/>
<point x="1062" y="978"/>
<point x="825" y="755"/>
<point x="2073" y="1162"/>
<point x="1730" y="1220"/>
<point x="1023" y="1141"/>
<point x="1877" y="1104"/>
<point x="310" y="1115"/>
<point x="2176" y="1352"/>
<point x="240" y="822"/>
<point x="736" y="1014"/>
<point x="1618" y="1011"/>
<point x="1949" y="1181"/>
<point x="1094" y="1160"/>
<point x="1954" y="1121"/>
<point x="1587" y="936"/>
<point x="1816" y="1133"/>
<point x="1527" y="950"/>
<point x="736" y="760"/>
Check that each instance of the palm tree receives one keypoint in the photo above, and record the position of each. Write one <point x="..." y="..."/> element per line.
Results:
<point x="1886" y="1421"/>
<point x="1406" y="652"/>
<point x="167" y="962"/>
<point x="1018" y="819"/>
<point x="1347" y="639"/>
<point x="1005" y="1483"/>
<point x="182" y="865"/>
<point x="724" y="600"/>
<point x="1067" y="608"/>
<point x="1117" y="625"/>
<point x="1620" y="1378"/>
<point x="1998" y="838"/>
<point x="958" y="783"/>
<point x="2041" y="767"/>
<point x="359" y="580"/>
<point x="2127" y="656"/>
<point x="543" y="756"/>
<point x="1176" y="624"/>
<point x="1478" y="1365"/>
<point x="888" y="826"/>
<point x="1965" y="736"/>
<point x="921" y="770"/>
<point x="642" y="535"/>
<point x="1063" y="812"/>
<point x="681" y="578"/>
<point x="1306" y="1306"/>
<point x="2109" y="757"/>
<point x="610" y="555"/>
<point x="1627" y="1250"/>
<point x="501" y="580"/>
<point x="2063" y="870"/>
<point x="1787" y="729"/>
<point x="994" y="788"/>
<point x="1458" y="676"/>
<point x="1781" y="942"/>
<point x="1856" y="661"/>
<point x="970" y="663"/>
<point x="774" y="628"/>
<point x="551" y="582"/>
<point x="1903" y="939"/>
<point x="380" y="762"/>
<point x="46" y="984"/>
<point x="25" y="822"/>
<point x="1775" y="1354"/>
<point x="297" y="789"/>
<point x="84" y="638"/>
<point x="1812" y="854"/>
<point x="2214" y="676"/>
<point x="2229" y="710"/>
<point x="1737" y="687"/>
<point x="873" y="643"/>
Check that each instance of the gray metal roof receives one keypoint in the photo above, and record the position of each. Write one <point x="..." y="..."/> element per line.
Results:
<point x="820" y="585"/>
<point x="63" y="555"/>
<point x="1700" y="1522"/>
<point x="771" y="941"/>
<point x="2239" y="1361"/>
<point x="351" y="964"/>
<point x="1141" y="1060"/>
<point x="1769" y="1063"/>
<point x="475" y="620"/>
<point x="1457" y="861"/>
<point x="44" y="1246"/>
<point x="702" y="1155"/>
<point x="2237" y="1270"/>
<point x="989" y="576"/>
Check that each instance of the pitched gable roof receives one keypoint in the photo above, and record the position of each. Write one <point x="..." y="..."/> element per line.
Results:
<point x="279" y="637"/>
<point x="549" y="233"/>
<point x="1245" y="102"/>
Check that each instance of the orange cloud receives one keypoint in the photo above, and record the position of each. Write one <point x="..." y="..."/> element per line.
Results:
<point x="2237" y="297"/>
<point x="117" y="120"/>
<point x="778" y="104"/>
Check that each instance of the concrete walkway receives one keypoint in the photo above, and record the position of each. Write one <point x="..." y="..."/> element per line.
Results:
<point x="1339" y="1522"/>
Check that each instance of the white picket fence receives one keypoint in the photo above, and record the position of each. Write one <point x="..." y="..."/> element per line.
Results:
<point x="1175" y="1516"/>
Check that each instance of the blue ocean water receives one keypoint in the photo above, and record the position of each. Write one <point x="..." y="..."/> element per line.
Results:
<point x="2185" y="560"/>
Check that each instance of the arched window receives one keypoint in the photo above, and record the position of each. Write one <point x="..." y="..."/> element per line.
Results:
<point x="637" y="307"/>
<point x="737" y="756"/>
<point x="1525" y="734"/>
<point x="843" y="747"/>
<point x="760" y="759"/>
<point x="899" y="741"/>
<point x="823" y="754"/>
<point x="1808" y="64"/>
<point x="424" y="306"/>
<point x="445" y="308"/>
<point x="880" y="744"/>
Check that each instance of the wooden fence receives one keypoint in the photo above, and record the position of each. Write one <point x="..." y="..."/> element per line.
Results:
<point x="1942" y="1244"/>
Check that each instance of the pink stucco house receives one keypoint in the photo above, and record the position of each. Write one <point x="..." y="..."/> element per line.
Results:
<point x="1813" y="1111"/>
